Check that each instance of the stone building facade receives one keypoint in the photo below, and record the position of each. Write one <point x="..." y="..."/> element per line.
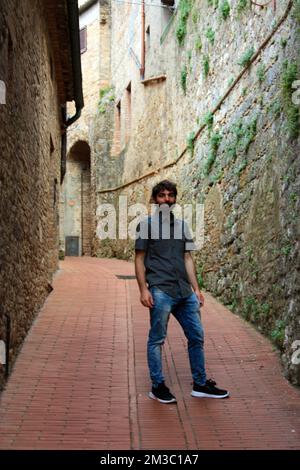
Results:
<point x="215" y="110"/>
<point x="77" y="202"/>
<point x="40" y="67"/>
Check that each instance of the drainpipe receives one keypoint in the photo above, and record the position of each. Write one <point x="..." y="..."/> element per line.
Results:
<point x="63" y="158"/>
<point x="73" y="16"/>
<point x="142" y="69"/>
<point x="73" y="19"/>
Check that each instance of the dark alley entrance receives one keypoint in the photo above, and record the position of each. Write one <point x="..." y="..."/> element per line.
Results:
<point x="76" y="202"/>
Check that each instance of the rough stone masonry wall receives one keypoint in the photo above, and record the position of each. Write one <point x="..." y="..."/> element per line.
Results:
<point x="95" y="71"/>
<point x="30" y="167"/>
<point x="244" y="164"/>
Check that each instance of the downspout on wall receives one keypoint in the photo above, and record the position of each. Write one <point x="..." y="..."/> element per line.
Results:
<point x="73" y="16"/>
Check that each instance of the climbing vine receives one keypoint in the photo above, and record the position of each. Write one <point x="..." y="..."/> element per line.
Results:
<point x="214" y="143"/>
<point x="105" y="96"/>
<point x="185" y="7"/>
<point x="225" y="9"/>
<point x="213" y="3"/>
<point x="278" y="333"/>
<point x="274" y="108"/>
<point x="209" y="121"/>
<point x="246" y="57"/>
<point x="198" y="44"/>
<point x="296" y="11"/>
<point x="195" y="16"/>
<point x="205" y="65"/>
<point x="183" y="78"/>
<point x="261" y="73"/>
<point x="210" y="34"/>
<point x="243" y="135"/>
<point x="241" y="5"/>
<point x="191" y="142"/>
<point x="291" y="111"/>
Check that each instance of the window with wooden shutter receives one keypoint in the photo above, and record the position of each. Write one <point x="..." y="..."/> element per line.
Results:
<point x="83" y="40"/>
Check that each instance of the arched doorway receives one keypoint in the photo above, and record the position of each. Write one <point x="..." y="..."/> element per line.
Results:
<point x="77" y="201"/>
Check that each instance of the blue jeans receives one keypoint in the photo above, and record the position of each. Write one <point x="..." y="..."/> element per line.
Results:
<point x="186" y="310"/>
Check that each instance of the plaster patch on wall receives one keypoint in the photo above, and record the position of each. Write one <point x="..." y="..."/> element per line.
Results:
<point x="2" y="92"/>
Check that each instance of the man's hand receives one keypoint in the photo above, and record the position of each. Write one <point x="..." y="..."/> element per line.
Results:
<point x="191" y="271"/>
<point x="200" y="296"/>
<point x="146" y="298"/>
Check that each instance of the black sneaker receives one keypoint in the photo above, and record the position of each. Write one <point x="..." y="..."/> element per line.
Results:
<point x="162" y="394"/>
<point x="208" y="390"/>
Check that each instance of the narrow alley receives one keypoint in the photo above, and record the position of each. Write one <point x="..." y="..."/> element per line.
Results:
<point x="114" y="112"/>
<point x="81" y="379"/>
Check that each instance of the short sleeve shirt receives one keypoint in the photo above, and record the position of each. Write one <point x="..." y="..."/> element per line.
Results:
<point x="165" y="242"/>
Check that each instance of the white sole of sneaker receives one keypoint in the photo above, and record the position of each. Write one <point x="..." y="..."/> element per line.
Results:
<point x="207" y="395"/>
<point x="159" y="399"/>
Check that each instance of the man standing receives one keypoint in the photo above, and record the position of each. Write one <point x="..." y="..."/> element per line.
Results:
<point x="167" y="281"/>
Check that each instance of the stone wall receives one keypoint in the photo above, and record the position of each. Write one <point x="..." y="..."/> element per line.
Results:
<point x="95" y="63"/>
<point x="244" y="162"/>
<point x="76" y="200"/>
<point x="30" y="141"/>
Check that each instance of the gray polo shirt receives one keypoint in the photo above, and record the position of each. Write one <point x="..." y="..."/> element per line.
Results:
<point x="165" y="241"/>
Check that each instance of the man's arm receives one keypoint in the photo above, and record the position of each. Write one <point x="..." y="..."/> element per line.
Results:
<point x="146" y="297"/>
<point x="191" y="271"/>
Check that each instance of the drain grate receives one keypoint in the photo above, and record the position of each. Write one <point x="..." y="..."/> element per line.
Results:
<point x="125" y="276"/>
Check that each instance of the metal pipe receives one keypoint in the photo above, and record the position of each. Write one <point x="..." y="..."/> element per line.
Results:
<point x="63" y="157"/>
<point x="142" y="70"/>
<point x="86" y="6"/>
<point x="73" y="15"/>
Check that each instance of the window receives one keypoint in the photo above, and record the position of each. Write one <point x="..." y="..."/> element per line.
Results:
<point x="54" y="191"/>
<point x="116" y="148"/>
<point x="168" y="3"/>
<point x="51" y="68"/>
<point x="148" y="38"/>
<point x="83" y="40"/>
<point x="128" y="113"/>
<point x="52" y="148"/>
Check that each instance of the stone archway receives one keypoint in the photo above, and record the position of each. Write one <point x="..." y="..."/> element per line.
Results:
<point x="77" y="201"/>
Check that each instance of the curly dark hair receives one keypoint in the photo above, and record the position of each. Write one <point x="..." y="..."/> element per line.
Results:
<point x="165" y="184"/>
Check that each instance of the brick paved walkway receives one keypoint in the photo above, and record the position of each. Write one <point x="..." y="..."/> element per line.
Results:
<point x="81" y="380"/>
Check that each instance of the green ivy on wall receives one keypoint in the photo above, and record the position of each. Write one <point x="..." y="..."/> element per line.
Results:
<point x="242" y="5"/>
<point x="185" y="7"/>
<point x="224" y="9"/>
<point x="291" y="110"/>
<point x="183" y="78"/>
